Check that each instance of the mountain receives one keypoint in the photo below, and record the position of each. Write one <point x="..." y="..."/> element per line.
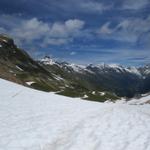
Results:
<point x="16" y="65"/>
<point x="92" y="82"/>
<point x="81" y="83"/>
<point x="123" y="81"/>
<point x="36" y="120"/>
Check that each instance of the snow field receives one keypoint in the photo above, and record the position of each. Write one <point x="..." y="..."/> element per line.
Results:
<point x="35" y="120"/>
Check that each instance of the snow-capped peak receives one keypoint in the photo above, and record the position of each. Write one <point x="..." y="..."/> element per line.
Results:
<point x="116" y="67"/>
<point x="77" y="68"/>
<point x="101" y="67"/>
<point x="133" y="70"/>
<point x="146" y="69"/>
<point x="48" y="61"/>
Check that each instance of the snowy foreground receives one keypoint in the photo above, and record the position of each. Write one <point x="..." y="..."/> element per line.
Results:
<point x="35" y="120"/>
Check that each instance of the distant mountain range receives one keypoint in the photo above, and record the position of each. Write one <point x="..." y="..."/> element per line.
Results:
<point x="123" y="81"/>
<point x="93" y="82"/>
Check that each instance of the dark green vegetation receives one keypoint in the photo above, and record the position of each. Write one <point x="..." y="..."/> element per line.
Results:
<point x="97" y="83"/>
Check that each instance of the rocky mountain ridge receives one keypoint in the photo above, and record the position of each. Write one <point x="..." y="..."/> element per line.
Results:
<point x="93" y="82"/>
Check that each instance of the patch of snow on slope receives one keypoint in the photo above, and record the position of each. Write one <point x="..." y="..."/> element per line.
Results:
<point x="58" y="78"/>
<point x="85" y="96"/>
<point x="4" y="40"/>
<point x="35" y="120"/>
<point x="133" y="70"/>
<point x="93" y="92"/>
<point x="30" y="82"/>
<point x="102" y="93"/>
<point x="147" y="71"/>
<point x="140" y="101"/>
<point x="77" y="68"/>
<point x="117" y="68"/>
<point x="19" y="68"/>
<point x="103" y="65"/>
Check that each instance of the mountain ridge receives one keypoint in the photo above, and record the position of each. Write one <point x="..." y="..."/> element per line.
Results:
<point x="50" y="61"/>
<point x="137" y="74"/>
<point x="92" y="82"/>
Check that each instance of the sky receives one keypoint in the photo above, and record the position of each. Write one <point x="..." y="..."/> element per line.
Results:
<point x="80" y="31"/>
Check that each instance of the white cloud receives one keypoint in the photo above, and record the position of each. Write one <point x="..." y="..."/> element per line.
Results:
<point x="128" y="30"/>
<point x="74" y="25"/>
<point x="30" y="30"/>
<point x="57" y="33"/>
<point x="105" y="29"/>
<point x="58" y="30"/>
<point x="68" y="28"/>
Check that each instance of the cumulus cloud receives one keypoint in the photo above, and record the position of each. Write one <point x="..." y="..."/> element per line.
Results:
<point x="68" y="28"/>
<point x="73" y="25"/>
<point x="32" y="30"/>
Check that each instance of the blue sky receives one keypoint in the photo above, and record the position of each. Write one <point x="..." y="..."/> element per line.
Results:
<point x="80" y="31"/>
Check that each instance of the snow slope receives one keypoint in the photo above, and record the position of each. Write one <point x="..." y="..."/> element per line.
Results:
<point x="35" y="120"/>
